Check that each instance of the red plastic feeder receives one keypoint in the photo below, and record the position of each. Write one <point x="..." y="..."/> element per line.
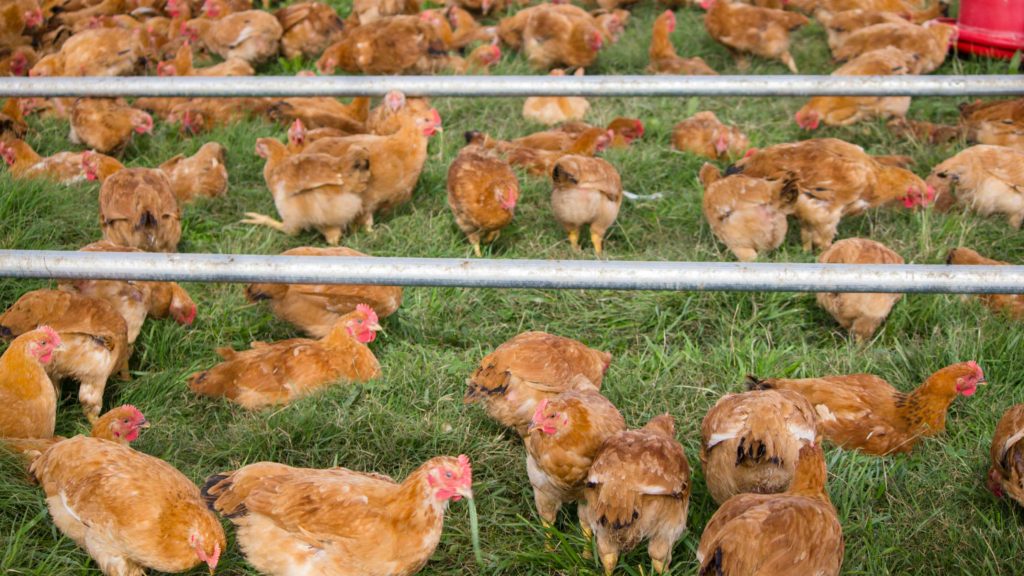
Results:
<point x="991" y="28"/>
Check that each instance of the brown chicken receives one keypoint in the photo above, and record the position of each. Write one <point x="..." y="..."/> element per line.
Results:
<point x="121" y="425"/>
<point x="839" y="25"/>
<point x="94" y="339"/>
<point x="338" y="521"/>
<point x="928" y="132"/>
<point x="539" y="161"/>
<point x="218" y="9"/>
<point x="860" y="313"/>
<point x="313" y="189"/>
<point x="704" y="135"/>
<point x="63" y="167"/>
<point x="911" y="10"/>
<point x="585" y="191"/>
<point x="1010" y="304"/>
<point x="18" y="61"/>
<point x="98" y="167"/>
<point x="12" y="120"/>
<point x="565" y="435"/>
<point x="253" y="35"/>
<point x="553" y="35"/>
<point x="1006" y="474"/>
<point x="746" y="214"/>
<point x="369" y="11"/>
<point x="323" y="112"/>
<point x="612" y="23"/>
<point x="280" y="372"/>
<point x="204" y="174"/>
<point x="96" y="52"/>
<point x="847" y="110"/>
<point x="135" y="300"/>
<point x="750" y="442"/>
<point x="482" y="194"/>
<point x="551" y="110"/>
<point x="26" y="391"/>
<point x="92" y="489"/>
<point x="662" y="56"/>
<point x="834" y="179"/>
<point x="138" y="209"/>
<point x="927" y="45"/>
<point x="741" y="28"/>
<point x="562" y="138"/>
<point x="466" y="30"/>
<point x="309" y="28"/>
<point x="197" y="115"/>
<point x="639" y="488"/>
<point x="316" y="308"/>
<point x="999" y="122"/>
<point x="392" y="45"/>
<point x="795" y="533"/>
<point x="984" y="179"/>
<point x="106" y="124"/>
<point x="181" y="65"/>
<point x="529" y="368"/>
<point x="864" y="412"/>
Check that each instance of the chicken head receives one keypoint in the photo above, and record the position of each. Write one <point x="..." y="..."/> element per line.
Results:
<point x="451" y="478"/>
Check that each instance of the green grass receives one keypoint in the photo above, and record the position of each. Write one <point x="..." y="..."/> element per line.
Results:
<point x="926" y="514"/>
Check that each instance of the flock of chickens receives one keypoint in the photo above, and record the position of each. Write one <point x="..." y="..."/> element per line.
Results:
<point x="342" y="164"/>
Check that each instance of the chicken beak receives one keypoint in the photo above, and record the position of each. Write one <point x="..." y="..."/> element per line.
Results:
<point x="144" y="424"/>
<point x="982" y="381"/>
<point x="375" y="327"/>
<point x="465" y="491"/>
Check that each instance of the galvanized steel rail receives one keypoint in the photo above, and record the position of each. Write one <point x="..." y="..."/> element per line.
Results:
<point x="495" y="86"/>
<point x="492" y="273"/>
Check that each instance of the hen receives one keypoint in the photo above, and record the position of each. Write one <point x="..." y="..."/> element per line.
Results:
<point x="309" y="28"/>
<point x="106" y="124"/>
<point x="585" y="191"/>
<point x="181" y="65"/>
<point x="704" y="135"/>
<point x="94" y="339"/>
<point x="323" y="112"/>
<point x="369" y="11"/>
<point x="202" y="175"/>
<point x="96" y="52"/>
<point x="741" y="28"/>
<point x="121" y="425"/>
<point x="529" y="368"/>
<point x="984" y="179"/>
<point x="565" y="435"/>
<point x="392" y="45"/>
<point x="1006" y="474"/>
<point x="861" y="313"/>
<point x="280" y="372"/>
<point x="999" y="122"/>
<point x="750" y="442"/>
<point x="316" y="308"/>
<point x="839" y="25"/>
<point x="251" y="35"/>
<point x="138" y="209"/>
<point x="795" y="533"/>
<point x="482" y="194"/>
<point x="1010" y="304"/>
<point x="92" y="489"/>
<point x="554" y="109"/>
<point x="63" y="167"/>
<point x="662" y="57"/>
<point x="26" y="393"/>
<point x="864" y="412"/>
<point x="639" y="488"/>
<point x="927" y="45"/>
<point x="338" y="522"/>
<point x="553" y="35"/>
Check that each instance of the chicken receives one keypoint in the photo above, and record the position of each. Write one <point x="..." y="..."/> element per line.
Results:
<point x="927" y="45"/>
<point x="316" y="308"/>
<point x="121" y="425"/>
<point x="928" y="132"/>
<point x="98" y="167"/>
<point x="94" y="490"/>
<point x="551" y="110"/>
<point x="847" y="110"/>
<point x="218" y="9"/>
<point x="662" y="56"/>
<point x="204" y="174"/>
<point x="539" y="161"/>
<point x="338" y="522"/>
<point x="840" y="25"/>
<point x="479" y="61"/>
<point x="565" y="435"/>
<point x="18" y="61"/>
<point x="984" y="179"/>
<point x="12" y="120"/>
<point x="253" y="35"/>
<point x="911" y="10"/>
<point x="750" y="442"/>
<point x="741" y="28"/>
<point x="96" y="52"/>
<point x="482" y="194"/>
<point x="639" y="488"/>
<point x="1006" y="474"/>
<point x="562" y="138"/>
<point x="860" y="313"/>
<point x="18" y="17"/>
<point x="323" y="112"/>
<point x="94" y="339"/>
<point x="309" y="28"/>
<point x="529" y="368"/>
<point x="181" y="65"/>
<point x="704" y="135"/>
<point x="553" y="35"/>
<point x="466" y="30"/>
<point x="369" y="11"/>
<point x="612" y="23"/>
<point x="585" y="191"/>
<point x="834" y="179"/>
<point x="746" y="214"/>
<point x="795" y="533"/>
<point x="999" y="122"/>
<point x="393" y="45"/>
<point x="134" y="300"/>
<point x="280" y="372"/>
<point x="63" y="167"/>
<point x="27" y="395"/>
<point x="313" y="189"/>
<point x="1010" y="304"/>
<point x="198" y="115"/>
<point x="106" y="124"/>
<point x="138" y="209"/>
<point x="864" y="412"/>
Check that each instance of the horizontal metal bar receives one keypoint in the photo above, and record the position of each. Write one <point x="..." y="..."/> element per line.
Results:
<point x="491" y="273"/>
<point x="476" y="86"/>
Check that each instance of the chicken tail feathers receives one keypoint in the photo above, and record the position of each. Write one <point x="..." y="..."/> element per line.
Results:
<point x="616" y="508"/>
<point x="714" y="565"/>
<point x="147" y="220"/>
<point x="754" y="383"/>
<point x="213" y="488"/>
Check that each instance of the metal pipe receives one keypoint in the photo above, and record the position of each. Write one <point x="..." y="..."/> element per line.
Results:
<point x="489" y="86"/>
<point x="490" y="273"/>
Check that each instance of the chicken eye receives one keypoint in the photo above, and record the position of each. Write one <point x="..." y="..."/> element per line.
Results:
<point x="448" y="474"/>
<point x="125" y="420"/>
